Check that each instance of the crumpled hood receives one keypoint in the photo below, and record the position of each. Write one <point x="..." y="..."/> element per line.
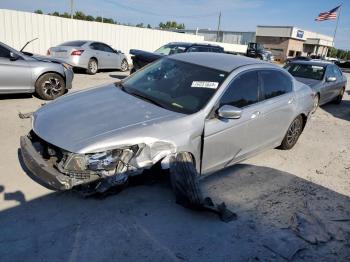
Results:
<point x="83" y="120"/>
<point x="308" y="81"/>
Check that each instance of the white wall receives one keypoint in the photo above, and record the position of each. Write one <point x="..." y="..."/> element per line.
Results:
<point x="16" y="28"/>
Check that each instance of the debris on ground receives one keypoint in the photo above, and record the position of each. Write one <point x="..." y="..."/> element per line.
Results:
<point x="25" y="115"/>
<point x="284" y="243"/>
<point x="308" y="227"/>
<point x="184" y="180"/>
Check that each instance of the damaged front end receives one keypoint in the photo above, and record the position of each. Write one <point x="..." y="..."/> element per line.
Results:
<point x="59" y="169"/>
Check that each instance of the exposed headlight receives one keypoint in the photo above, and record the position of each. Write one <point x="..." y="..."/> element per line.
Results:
<point x="103" y="161"/>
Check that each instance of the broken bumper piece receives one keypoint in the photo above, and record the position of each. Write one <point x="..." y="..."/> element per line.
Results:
<point x="38" y="167"/>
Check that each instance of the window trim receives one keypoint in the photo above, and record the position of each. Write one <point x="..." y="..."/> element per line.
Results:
<point x="261" y="88"/>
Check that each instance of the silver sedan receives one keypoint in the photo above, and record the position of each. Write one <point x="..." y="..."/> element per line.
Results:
<point x="90" y="55"/>
<point x="22" y="72"/>
<point x="325" y="78"/>
<point x="217" y="109"/>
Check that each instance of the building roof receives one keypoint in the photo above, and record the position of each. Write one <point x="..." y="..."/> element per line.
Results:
<point x="219" y="61"/>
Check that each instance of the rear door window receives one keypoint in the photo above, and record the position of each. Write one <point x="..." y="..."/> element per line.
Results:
<point x="106" y="48"/>
<point x="243" y="91"/>
<point x="274" y="83"/>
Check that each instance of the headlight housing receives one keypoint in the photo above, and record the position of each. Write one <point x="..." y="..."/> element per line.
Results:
<point x="98" y="162"/>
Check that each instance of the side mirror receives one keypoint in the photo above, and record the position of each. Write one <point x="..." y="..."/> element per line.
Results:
<point x="117" y="51"/>
<point x="229" y="112"/>
<point x="13" y="56"/>
<point x="331" y="79"/>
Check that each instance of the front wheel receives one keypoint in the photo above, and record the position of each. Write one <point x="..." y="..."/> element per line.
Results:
<point x="50" y="86"/>
<point x="339" y="98"/>
<point x="293" y="133"/>
<point x="124" y="66"/>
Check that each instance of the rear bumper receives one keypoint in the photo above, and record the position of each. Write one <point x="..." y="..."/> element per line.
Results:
<point x="40" y="169"/>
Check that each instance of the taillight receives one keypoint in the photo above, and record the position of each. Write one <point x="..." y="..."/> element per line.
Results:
<point x="77" y="52"/>
<point x="48" y="52"/>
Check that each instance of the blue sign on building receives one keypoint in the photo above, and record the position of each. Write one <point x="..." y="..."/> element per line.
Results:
<point x="300" y="34"/>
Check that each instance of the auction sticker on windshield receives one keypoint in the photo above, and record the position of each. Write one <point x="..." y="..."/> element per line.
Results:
<point x="205" y="84"/>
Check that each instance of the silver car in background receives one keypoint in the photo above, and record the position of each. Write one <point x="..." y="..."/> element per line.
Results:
<point x="22" y="72"/>
<point x="219" y="109"/>
<point x="325" y="78"/>
<point x="91" y="55"/>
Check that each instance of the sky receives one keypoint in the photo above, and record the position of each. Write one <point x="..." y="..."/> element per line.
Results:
<point x="237" y="15"/>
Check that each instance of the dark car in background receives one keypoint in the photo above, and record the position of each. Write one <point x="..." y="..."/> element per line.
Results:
<point x="257" y="50"/>
<point x="298" y="58"/>
<point x="325" y="78"/>
<point x="141" y="58"/>
<point x="344" y="65"/>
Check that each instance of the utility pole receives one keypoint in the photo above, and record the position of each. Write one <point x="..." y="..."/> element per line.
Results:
<point x="218" y="32"/>
<point x="71" y="9"/>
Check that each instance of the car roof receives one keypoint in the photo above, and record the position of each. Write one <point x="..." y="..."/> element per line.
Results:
<point x="188" y="44"/>
<point x="313" y="62"/>
<point x="218" y="61"/>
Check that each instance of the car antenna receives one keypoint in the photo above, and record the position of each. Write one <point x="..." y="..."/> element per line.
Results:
<point x="28" y="43"/>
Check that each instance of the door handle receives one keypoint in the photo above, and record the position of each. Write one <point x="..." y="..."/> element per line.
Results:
<point x="291" y="101"/>
<point x="255" y="114"/>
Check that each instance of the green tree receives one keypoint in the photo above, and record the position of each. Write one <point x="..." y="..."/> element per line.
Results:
<point x="140" y="25"/>
<point x="90" y="18"/>
<point x="79" y="15"/>
<point x="55" y="14"/>
<point x="65" y="15"/>
<point x="171" y="25"/>
<point x="149" y="26"/>
<point x="38" y="11"/>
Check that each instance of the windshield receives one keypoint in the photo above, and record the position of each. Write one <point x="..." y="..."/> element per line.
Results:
<point x="306" y="71"/>
<point x="170" y="49"/>
<point x="175" y="85"/>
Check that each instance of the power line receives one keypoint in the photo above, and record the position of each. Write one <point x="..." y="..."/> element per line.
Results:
<point x="137" y="10"/>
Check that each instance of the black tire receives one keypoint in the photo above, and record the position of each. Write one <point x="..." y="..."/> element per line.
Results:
<point x="316" y="103"/>
<point x="124" y="66"/>
<point x="184" y="180"/>
<point x="92" y="67"/>
<point x="339" y="98"/>
<point x="294" y="131"/>
<point x="50" y="86"/>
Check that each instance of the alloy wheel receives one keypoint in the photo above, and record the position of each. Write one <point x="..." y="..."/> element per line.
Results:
<point x="93" y="66"/>
<point x="52" y="87"/>
<point x="124" y="66"/>
<point x="294" y="131"/>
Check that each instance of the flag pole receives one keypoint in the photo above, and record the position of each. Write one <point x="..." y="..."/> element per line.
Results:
<point x="336" y="26"/>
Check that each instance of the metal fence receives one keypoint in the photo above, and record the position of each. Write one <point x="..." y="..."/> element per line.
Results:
<point x="16" y="28"/>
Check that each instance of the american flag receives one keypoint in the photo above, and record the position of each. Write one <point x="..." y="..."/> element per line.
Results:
<point x="330" y="15"/>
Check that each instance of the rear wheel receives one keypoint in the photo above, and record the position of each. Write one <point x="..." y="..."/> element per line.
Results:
<point x="293" y="133"/>
<point x="92" y="67"/>
<point x="50" y="86"/>
<point x="316" y="103"/>
<point x="339" y="98"/>
<point x="124" y="66"/>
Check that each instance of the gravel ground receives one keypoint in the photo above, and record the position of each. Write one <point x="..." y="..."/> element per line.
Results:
<point x="291" y="205"/>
